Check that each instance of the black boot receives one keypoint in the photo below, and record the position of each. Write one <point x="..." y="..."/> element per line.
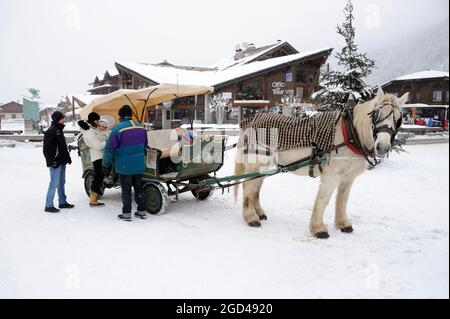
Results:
<point x="66" y="205"/>
<point x="123" y="218"/>
<point x="141" y="215"/>
<point x="52" y="210"/>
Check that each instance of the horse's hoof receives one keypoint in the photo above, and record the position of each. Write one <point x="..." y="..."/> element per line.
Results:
<point x="323" y="235"/>
<point x="347" y="230"/>
<point x="255" y="224"/>
<point x="263" y="217"/>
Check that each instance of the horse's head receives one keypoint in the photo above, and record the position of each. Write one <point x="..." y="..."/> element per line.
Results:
<point x="387" y="119"/>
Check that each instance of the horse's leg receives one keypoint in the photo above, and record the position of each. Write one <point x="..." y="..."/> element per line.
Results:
<point x="317" y="226"/>
<point x="251" y="189"/>
<point x="341" y="220"/>
<point x="262" y="215"/>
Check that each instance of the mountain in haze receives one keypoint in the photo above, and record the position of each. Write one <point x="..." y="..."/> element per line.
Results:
<point x="424" y="50"/>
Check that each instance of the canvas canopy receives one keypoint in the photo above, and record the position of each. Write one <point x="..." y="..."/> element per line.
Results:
<point x="140" y="100"/>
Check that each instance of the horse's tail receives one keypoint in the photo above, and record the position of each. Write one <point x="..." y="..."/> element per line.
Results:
<point x="239" y="169"/>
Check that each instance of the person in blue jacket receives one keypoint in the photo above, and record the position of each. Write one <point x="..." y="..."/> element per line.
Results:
<point x="127" y="146"/>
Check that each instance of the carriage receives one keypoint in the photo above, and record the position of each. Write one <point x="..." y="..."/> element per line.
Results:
<point x="177" y="161"/>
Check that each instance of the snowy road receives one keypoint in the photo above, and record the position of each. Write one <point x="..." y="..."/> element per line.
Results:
<point x="204" y="249"/>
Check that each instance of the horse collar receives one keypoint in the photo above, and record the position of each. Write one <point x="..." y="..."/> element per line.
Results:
<point x="352" y="141"/>
<point x="348" y="140"/>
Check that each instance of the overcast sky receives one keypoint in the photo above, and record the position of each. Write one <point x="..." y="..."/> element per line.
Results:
<point x="58" y="46"/>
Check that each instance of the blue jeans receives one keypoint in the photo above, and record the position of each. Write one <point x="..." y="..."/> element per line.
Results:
<point x="57" y="182"/>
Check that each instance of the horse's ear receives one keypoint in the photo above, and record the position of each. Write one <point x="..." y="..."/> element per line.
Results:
<point x="380" y="93"/>
<point x="402" y="100"/>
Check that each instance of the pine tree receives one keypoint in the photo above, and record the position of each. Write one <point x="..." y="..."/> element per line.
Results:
<point x="339" y="86"/>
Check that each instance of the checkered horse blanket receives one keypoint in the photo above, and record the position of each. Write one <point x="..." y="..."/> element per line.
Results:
<point x="280" y="133"/>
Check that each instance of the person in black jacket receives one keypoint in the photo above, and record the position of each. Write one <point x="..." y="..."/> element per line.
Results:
<point x="57" y="157"/>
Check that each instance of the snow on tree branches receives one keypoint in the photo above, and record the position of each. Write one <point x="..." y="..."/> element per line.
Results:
<point x="220" y="105"/>
<point x="339" y="86"/>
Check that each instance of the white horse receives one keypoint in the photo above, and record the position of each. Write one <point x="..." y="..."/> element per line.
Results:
<point x="376" y="123"/>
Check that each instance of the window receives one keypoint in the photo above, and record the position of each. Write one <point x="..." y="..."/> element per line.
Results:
<point x="300" y="91"/>
<point x="446" y="96"/>
<point x="408" y="89"/>
<point x="300" y="76"/>
<point x="251" y="91"/>
<point x="437" y="95"/>
<point x="312" y="77"/>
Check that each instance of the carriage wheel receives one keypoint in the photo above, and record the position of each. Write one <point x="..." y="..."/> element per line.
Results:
<point x="202" y="194"/>
<point x="88" y="179"/>
<point x="155" y="196"/>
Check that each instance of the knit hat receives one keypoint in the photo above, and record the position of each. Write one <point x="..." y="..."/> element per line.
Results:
<point x="57" y="116"/>
<point x="92" y="117"/>
<point x="126" y="111"/>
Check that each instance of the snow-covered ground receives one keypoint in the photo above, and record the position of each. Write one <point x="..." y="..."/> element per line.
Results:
<point x="204" y="249"/>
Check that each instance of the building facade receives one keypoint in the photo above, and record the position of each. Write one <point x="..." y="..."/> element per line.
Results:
<point x="12" y="111"/>
<point x="428" y="94"/>
<point x="105" y="83"/>
<point x="427" y="87"/>
<point x="262" y="92"/>
<point x="254" y="79"/>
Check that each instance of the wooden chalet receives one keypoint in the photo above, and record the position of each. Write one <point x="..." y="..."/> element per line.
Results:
<point x="429" y="93"/>
<point x="254" y="78"/>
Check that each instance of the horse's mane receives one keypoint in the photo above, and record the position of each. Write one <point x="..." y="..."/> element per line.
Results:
<point x="363" y="123"/>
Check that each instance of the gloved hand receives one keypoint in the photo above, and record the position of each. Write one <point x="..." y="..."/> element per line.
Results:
<point x="83" y="125"/>
<point x="107" y="171"/>
<point x="55" y="165"/>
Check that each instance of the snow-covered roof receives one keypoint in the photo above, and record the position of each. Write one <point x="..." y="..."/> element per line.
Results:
<point x="100" y="76"/>
<point x="259" y="66"/>
<point x="258" y="52"/>
<point x="428" y="74"/>
<point x="161" y="73"/>
<point x="112" y="72"/>
<point x="167" y="73"/>
<point x="104" y="86"/>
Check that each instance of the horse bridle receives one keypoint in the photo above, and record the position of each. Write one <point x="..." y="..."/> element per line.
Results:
<point x="377" y="120"/>
<point x="353" y="137"/>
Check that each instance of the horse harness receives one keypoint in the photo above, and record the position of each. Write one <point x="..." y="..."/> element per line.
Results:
<point x="351" y="139"/>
